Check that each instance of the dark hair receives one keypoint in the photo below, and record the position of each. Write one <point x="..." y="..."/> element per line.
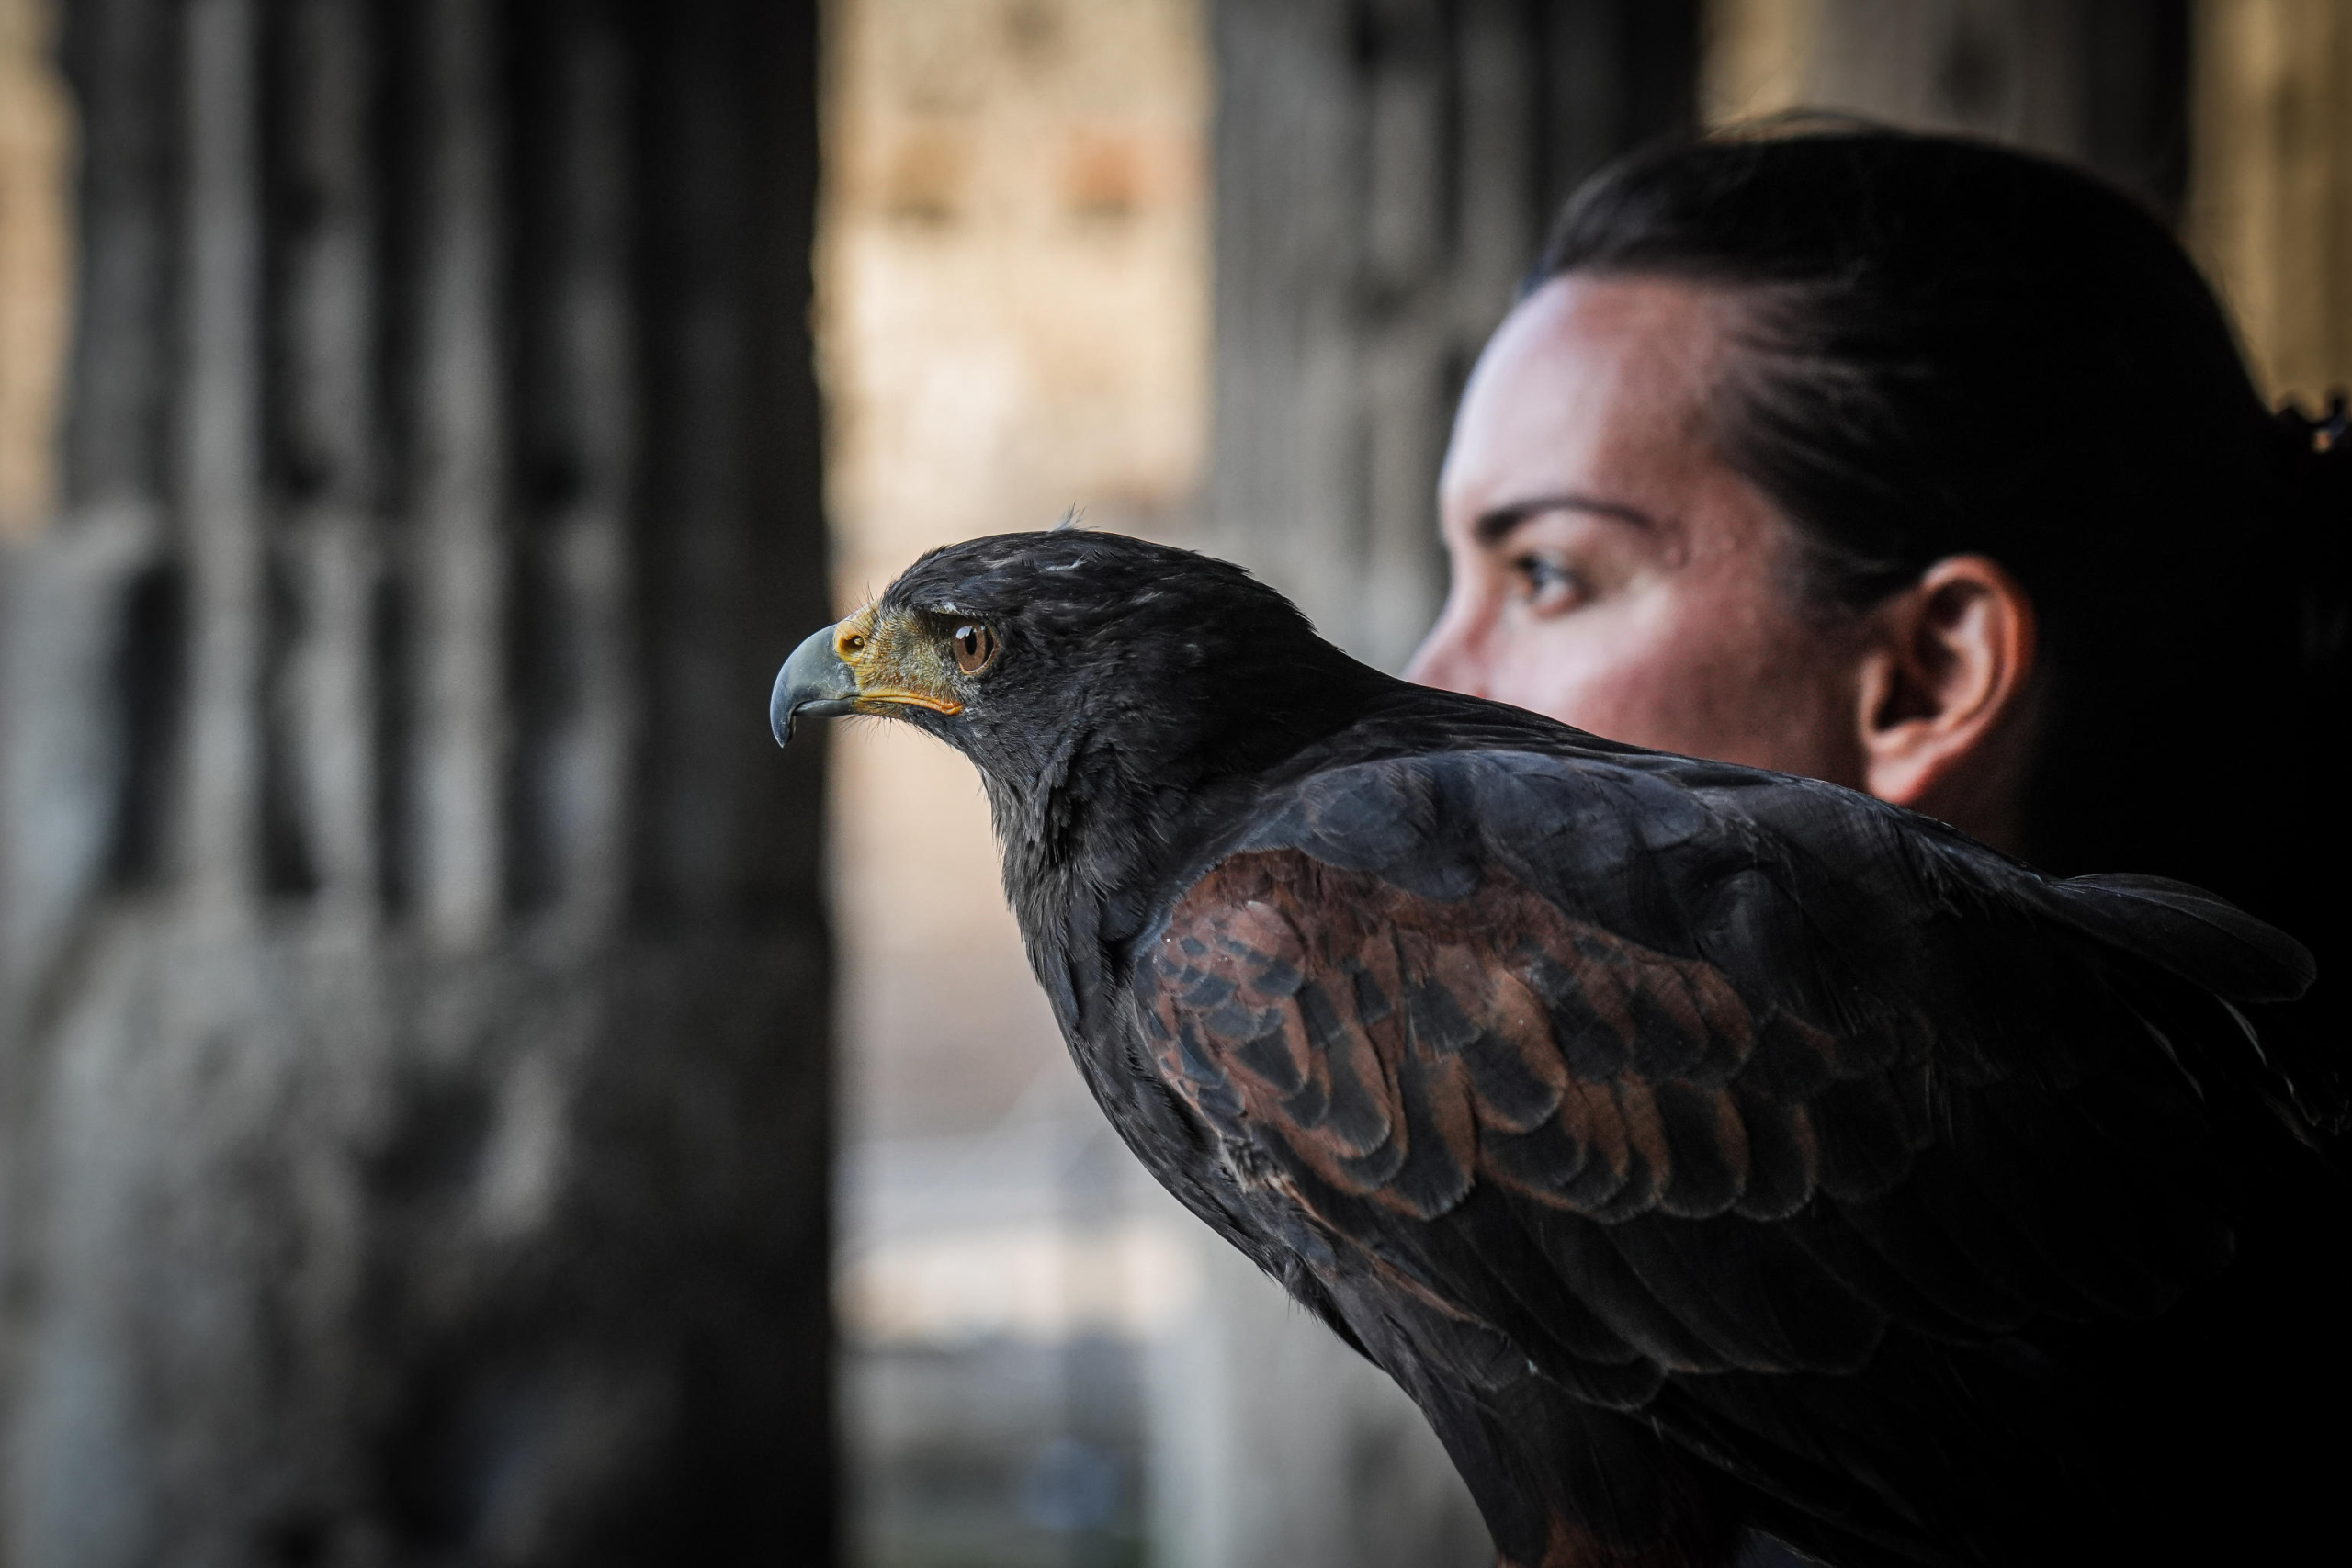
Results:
<point x="1954" y="347"/>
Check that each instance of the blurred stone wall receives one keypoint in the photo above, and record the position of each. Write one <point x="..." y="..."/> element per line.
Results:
<point x="414" y="1105"/>
<point x="2102" y="82"/>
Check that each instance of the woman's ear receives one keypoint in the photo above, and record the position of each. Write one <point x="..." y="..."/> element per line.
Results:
<point x="1946" y="682"/>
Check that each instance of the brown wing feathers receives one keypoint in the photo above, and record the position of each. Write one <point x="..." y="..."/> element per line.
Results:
<point x="1401" y="1047"/>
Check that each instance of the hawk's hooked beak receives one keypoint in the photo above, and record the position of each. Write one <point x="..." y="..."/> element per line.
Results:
<point x="815" y="681"/>
<point x="868" y="663"/>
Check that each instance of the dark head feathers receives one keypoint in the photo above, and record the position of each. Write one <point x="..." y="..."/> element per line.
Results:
<point x="1126" y="669"/>
<point x="1072" y="582"/>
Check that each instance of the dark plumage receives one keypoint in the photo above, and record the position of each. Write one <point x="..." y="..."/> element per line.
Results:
<point x="1705" y="1150"/>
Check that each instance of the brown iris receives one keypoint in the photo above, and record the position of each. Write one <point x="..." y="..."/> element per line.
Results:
<point x="974" y="647"/>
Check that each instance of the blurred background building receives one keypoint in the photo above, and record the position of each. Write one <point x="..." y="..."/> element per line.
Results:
<point x="415" y="979"/>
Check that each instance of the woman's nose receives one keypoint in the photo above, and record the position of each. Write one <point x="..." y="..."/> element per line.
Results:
<point x="1442" y="660"/>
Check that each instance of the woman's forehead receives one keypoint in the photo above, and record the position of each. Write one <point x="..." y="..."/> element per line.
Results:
<point x="1592" y="379"/>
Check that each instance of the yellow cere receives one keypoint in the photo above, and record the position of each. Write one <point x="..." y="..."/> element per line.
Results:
<point x="899" y="659"/>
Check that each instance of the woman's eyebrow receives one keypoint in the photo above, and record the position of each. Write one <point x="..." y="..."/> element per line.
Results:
<point x="1493" y="525"/>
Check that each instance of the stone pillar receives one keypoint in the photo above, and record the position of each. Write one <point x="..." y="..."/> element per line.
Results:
<point x="415" y="1095"/>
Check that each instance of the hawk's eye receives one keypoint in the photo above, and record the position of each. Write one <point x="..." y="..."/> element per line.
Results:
<point x="974" y="647"/>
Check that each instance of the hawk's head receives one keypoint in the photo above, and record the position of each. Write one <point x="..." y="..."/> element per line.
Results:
<point x="1030" y="651"/>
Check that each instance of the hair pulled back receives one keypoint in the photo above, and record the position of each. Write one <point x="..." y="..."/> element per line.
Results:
<point x="1950" y="347"/>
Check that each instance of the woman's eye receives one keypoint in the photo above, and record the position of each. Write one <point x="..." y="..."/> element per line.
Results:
<point x="975" y="646"/>
<point x="1547" y="584"/>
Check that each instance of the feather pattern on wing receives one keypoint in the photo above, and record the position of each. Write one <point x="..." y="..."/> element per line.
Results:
<point x="1583" y="1061"/>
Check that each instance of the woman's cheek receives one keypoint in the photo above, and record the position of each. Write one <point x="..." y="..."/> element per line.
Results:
<point x="1602" y="675"/>
<point x="1706" y="681"/>
<point x="1768" y="697"/>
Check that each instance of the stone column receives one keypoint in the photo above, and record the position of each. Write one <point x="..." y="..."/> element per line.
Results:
<point x="414" y="1092"/>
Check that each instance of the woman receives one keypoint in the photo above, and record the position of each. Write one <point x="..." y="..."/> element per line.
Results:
<point x="1928" y="468"/>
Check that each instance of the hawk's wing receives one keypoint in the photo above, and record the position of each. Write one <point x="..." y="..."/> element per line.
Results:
<point x="1699" y="1099"/>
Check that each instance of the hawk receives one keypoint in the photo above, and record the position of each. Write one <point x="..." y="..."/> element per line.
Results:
<point x="1706" y="1151"/>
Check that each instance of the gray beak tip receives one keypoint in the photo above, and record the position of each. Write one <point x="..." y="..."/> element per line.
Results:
<point x="813" y="681"/>
<point x="780" y="710"/>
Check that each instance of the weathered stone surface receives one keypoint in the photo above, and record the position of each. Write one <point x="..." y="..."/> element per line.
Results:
<point x="339" y="1252"/>
<point x="414" y="1100"/>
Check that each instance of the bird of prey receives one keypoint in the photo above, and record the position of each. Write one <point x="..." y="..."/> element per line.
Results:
<point x="1705" y="1151"/>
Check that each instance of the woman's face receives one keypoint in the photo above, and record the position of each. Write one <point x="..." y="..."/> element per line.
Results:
<point x="1609" y="569"/>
